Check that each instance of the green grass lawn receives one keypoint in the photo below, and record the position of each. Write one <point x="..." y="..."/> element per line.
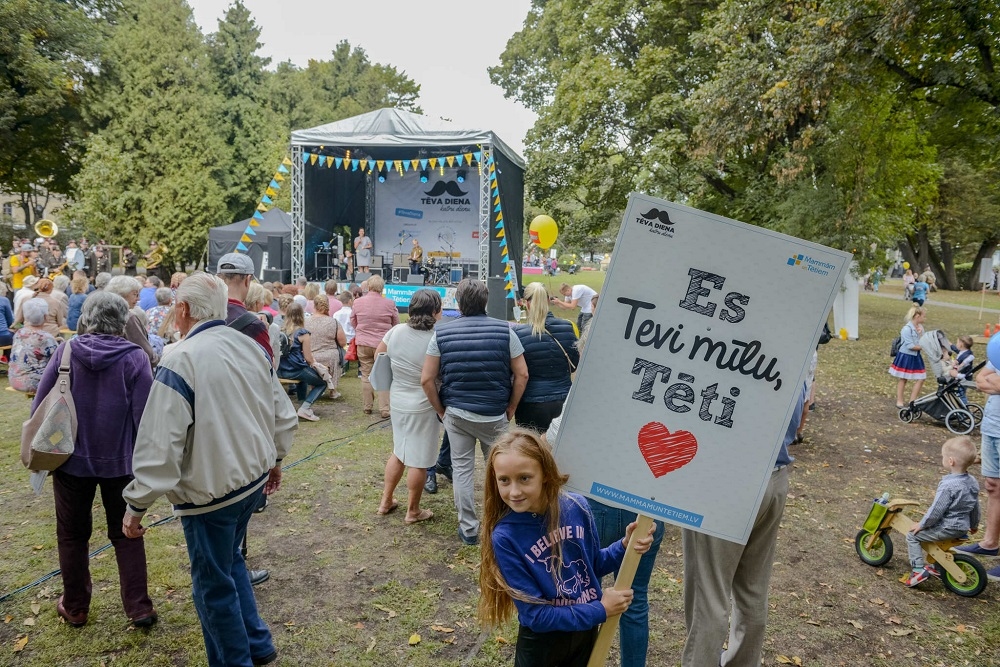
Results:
<point x="351" y="588"/>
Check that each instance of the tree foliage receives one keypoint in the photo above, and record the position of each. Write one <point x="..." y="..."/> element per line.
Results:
<point x="841" y="122"/>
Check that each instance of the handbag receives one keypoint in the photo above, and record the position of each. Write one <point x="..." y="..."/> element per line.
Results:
<point x="352" y="351"/>
<point x="572" y="367"/>
<point x="381" y="375"/>
<point x="48" y="436"/>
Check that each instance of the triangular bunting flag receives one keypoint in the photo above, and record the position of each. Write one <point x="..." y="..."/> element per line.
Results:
<point x="414" y="163"/>
<point x="503" y="252"/>
<point x="499" y="225"/>
<point x="347" y="161"/>
<point x="497" y="209"/>
<point x="270" y="192"/>
<point x="364" y="165"/>
<point x="478" y="155"/>
<point x="423" y="164"/>
<point x="501" y="233"/>
<point x="261" y="208"/>
<point x="390" y="165"/>
<point x="434" y="162"/>
<point x="406" y="165"/>
<point x="468" y="157"/>
<point x="503" y="243"/>
<point x="249" y="231"/>
<point x="253" y="223"/>
<point x="313" y="158"/>
<point x="246" y="239"/>
<point x="509" y="286"/>
<point x="499" y="216"/>
<point x="338" y="161"/>
<point x="450" y="160"/>
<point x="497" y="200"/>
<point x="305" y="157"/>
<point x="287" y="162"/>
<point x="274" y="184"/>
<point x="354" y="165"/>
<point x="458" y="159"/>
<point x="283" y="169"/>
<point x="240" y="246"/>
<point x="329" y="161"/>
<point x="266" y="200"/>
<point x="278" y="177"/>
<point x="257" y="215"/>
<point x="379" y="163"/>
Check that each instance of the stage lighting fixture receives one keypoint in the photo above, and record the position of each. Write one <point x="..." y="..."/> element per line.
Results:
<point x="382" y="175"/>
<point x="460" y="177"/>
<point x="423" y="176"/>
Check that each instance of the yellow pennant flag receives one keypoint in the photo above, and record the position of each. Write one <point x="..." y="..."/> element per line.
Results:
<point x="451" y="160"/>
<point x="329" y="161"/>
<point x="261" y="208"/>
<point x="497" y="200"/>
<point x="499" y="217"/>
<point x="468" y="158"/>
<point x="492" y="168"/>
<point x="246" y="239"/>
<point x="413" y="164"/>
<point x="434" y="163"/>
<point x="509" y="287"/>
<point x="364" y="165"/>
<point x="503" y="252"/>
<point x="313" y="158"/>
<point x="379" y="163"/>
<point x="500" y="234"/>
<point x="278" y="176"/>
<point x="287" y="162"/>
<point x="254" y="223"/>
<point x="270" y="192"/>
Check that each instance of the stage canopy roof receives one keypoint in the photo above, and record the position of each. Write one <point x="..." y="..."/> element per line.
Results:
<point x="395" y="128"/>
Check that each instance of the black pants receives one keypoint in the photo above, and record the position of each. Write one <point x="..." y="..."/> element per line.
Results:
<point x="537" y="416"/>
<point x="554" y="649"/>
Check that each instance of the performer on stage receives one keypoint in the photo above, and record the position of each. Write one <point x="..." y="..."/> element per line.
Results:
<point x="363" y="251"/>
<point x="153" y="260"/>
<point x="416" y="257"/>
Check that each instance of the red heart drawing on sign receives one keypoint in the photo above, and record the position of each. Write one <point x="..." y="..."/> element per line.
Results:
<point x="665" y="451"/>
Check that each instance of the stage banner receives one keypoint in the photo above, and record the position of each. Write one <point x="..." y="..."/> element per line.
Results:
<point x="695" y="358"/>
<point x="442" y="214"/>
<point x="401" y="295"/>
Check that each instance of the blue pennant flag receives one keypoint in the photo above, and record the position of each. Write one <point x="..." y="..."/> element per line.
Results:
<point x="478" y="156"/>
<point x="390" y="164"/>
<point x="458" y="159"/>
<point x="305" y="158"/>
<point x="250" y="231"/>
<point x="266" y="200"/>
<point x="354" y="165"/>
<point x="497" y="209"/>
<point x="240" y="246"/>
<point x="274" y="184"/>
<point x="423" y="164"/>
<point x="282" y="169"/>
<point x="499" y="225"/>
<point x="489" y="160"/>
<point x="338" y="162"/>
<point x="258" y="215"/>
<point x="503" y="242"/>
<point x="406" y="165"/>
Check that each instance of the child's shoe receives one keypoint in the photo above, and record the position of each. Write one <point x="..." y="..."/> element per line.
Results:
<point x="932" y="570"/>
<point x="917" y="577"/>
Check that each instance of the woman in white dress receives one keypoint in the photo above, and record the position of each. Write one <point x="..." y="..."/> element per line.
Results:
<point x="416" y="429"/>
<point x="362" y="251"/>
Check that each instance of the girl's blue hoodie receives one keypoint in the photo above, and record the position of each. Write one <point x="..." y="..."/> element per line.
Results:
<point x="524" y="555"/>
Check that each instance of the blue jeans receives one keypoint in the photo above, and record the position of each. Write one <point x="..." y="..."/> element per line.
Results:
<point x="234" y="633"/>
<point x="306" y="376"/>
<point x="444" y="456"/>
<point x="634" y="624"/>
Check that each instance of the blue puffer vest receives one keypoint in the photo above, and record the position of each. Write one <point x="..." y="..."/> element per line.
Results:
<point x="548" y="369"/>
<point x="475" y="364"/>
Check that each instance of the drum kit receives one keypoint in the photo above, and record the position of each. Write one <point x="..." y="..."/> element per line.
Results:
<point x="436" y="273"/>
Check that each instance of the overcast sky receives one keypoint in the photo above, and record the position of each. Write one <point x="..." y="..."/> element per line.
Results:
<point x="443" y="45"/>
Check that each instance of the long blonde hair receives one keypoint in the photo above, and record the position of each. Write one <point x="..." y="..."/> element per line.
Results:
<point x="538" y="307"/>
<point x="496" y="600"/>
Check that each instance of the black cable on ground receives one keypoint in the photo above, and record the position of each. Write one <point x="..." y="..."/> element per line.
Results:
<point x="314" y="454"/>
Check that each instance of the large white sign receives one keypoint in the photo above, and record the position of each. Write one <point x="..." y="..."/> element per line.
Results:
<point x="442" y="214"/>
<point x="695" y="357"/>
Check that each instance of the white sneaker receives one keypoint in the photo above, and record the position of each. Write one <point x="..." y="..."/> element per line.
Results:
<point x="334" y="394"/>
<point x="307" y="414"/>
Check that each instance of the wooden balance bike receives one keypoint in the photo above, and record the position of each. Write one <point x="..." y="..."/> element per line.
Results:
<point x="961" y="573"/>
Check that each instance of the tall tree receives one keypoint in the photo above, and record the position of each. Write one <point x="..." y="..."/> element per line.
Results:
<point x="48" y="53"/>
<point x="157" y="167"/>
<point x="253" y="131"/>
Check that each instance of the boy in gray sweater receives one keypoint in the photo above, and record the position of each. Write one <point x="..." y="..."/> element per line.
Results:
<point x="954" y="512"/>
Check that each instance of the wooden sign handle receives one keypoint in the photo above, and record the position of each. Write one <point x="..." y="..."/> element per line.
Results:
<point x="626" y="573"/>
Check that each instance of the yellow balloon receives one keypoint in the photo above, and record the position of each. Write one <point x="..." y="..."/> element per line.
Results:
<point x="544" y="231"/>
<point x="906" y="265"/>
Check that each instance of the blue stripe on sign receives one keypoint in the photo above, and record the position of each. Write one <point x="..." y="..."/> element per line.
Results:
<point x="645" y="505"/>
<point x="177" y="383"/>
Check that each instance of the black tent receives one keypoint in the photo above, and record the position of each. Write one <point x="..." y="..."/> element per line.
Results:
<point x="276" y="223"/>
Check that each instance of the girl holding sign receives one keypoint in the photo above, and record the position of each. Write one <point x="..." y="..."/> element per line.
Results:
<point x="541" y="555"/>
<point x="908" y="364"/>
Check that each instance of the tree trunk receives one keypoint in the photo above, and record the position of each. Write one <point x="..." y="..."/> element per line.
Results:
<point x="947" y="278"/>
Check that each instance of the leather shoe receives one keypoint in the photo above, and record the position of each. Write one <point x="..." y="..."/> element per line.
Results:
<point x="258" y="577"/>
<point x="445" y="471"/>
<point x="145" y="621"/>
<point x="76" y="620"/>
<point x="431" y="485"/>
<point x="267" y="659"/>
<point x="468" y="541"/>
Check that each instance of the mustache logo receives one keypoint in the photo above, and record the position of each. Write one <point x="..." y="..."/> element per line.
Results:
<point x="441" y="187"/>
<point x="656" y="214"/>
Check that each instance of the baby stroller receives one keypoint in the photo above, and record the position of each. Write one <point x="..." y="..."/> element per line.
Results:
<point x="946" y="406"/>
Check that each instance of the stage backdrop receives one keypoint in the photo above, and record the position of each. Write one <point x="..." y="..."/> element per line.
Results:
<point x="438" y="212"/>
